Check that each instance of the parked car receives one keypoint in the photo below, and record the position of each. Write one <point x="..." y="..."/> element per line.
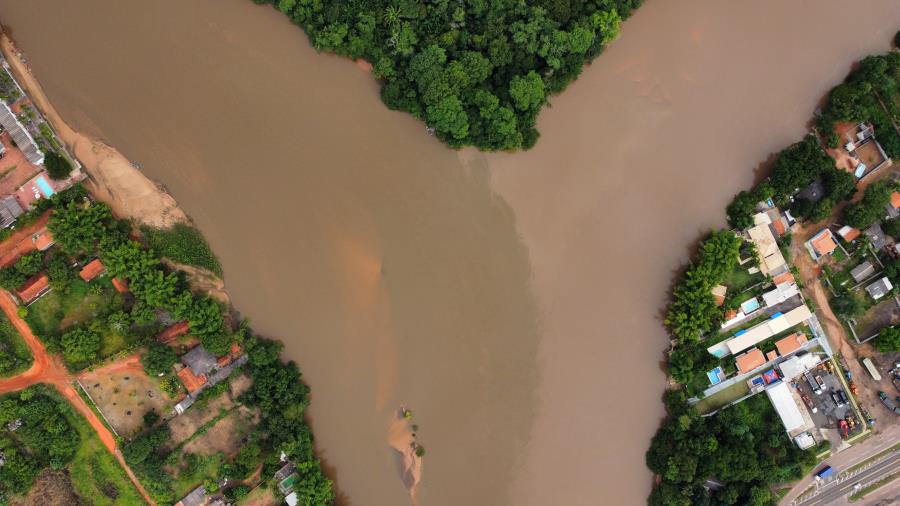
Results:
<point x="825" y="472"/>
<point x="837" y="399"/>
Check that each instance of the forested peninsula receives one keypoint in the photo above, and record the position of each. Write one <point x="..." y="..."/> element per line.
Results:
<point x="477" y="72"/>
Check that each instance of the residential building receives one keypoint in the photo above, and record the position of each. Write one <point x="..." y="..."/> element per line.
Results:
<point x="862" y="271"/>
<point x="9" y="211"/>
<point x="876" y="236"/>
<point x="776" y="324"/>
<point x="197" y="497"/>
<point x="791" y="343"/>
<point x="43" y="240"/>
<point x="821" y="244"/>
<point x="781" y="293"/>
<point x="92" y="269"/>
<point x="893" y="209"/>
<point x="120" y="285"/>
<point x="771" y="261"/>
<point x="848" y="233"/>
<point x="719" y="292"/>
<point x="880" y="288"/>
<point x="749" y="360"/>
<point x="20" y="135"/>
<point x="33" y="289"/>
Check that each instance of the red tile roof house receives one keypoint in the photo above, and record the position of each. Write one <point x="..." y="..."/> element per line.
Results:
<point x="33" y="289"/>
<point x="93" y="269"/>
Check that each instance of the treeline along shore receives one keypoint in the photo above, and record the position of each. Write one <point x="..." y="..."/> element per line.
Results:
<point x="738" y="454"/>
<point x="123" y="227"/>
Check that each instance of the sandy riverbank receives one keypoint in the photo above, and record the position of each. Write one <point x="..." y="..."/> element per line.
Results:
<point x="112" y="177"/>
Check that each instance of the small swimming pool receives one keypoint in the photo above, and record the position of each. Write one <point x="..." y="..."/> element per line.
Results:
<point x="750" y="305"/>
<point x="45" y="187"/>
<point x="715" y="376"/>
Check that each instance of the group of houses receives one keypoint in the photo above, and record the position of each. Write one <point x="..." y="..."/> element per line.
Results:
<point x="199" y="369"/>
<point x="24" y="179"/>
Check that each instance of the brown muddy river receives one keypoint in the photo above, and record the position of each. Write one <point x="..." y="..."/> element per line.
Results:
<point x="511" y="300"/>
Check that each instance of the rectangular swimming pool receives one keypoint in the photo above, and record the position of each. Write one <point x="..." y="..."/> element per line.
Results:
<point x="750" y="305"/>
<point x="45" y="187"/>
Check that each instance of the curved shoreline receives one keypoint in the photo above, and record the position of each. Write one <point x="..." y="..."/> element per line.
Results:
<point x="112" y="177"/>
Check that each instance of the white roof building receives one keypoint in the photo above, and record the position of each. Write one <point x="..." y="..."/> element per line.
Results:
<point x="767" y="329"/>
<point x="780" y="294"/>
<point x="880" y="288"/>
<point x="784" y="404"/>
<point x="771" y="261"/>
<point x="291" y="499"/>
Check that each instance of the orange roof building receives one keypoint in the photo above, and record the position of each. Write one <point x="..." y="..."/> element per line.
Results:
<point x="785" y="277"/>
<point x="43" y="240"/>
<point x="93" y="269"/>
<point x="120" y="285"/>
<point x="778" y="225"/>
<point x="38" y="285"/>
<point x="848" y="233"/>
<point x="823" y="243"/>
<point x="176" y="330"/>
<point x="895" y="200"/>
<point x="749" y="360"/>
<point x="191" y="382"/>
<point x="790" y="343"/>
<point x="772" y="355"/>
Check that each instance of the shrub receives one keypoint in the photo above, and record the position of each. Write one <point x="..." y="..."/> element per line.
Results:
<point x="58" y="167"/>
<point x="183" y="244"/>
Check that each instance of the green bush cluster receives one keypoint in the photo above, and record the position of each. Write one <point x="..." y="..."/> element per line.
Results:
<point x="871" y="208"/>
<point x="476" y="72"/>
<point x="45" y="439"/>
<point x="693" y="311"/>
<point x="868" y="94"/>
<point x="744" y="447"/>
<point x="183" y="244"/>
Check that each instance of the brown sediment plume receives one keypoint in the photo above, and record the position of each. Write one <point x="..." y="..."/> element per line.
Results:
<point x="402" y="438"/>
<point x="113" y="179"/>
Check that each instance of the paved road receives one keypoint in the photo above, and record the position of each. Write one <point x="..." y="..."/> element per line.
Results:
<point x="844" y="483"/>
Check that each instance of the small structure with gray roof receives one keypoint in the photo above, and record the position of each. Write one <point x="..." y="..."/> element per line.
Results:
<point x="199" y="360"/>
<point x="197" y="497"/>
<point x="20" y="136"/>
<point x="875" y="235"/>
<point x="862" y="271"/>
<point x="9" y="211"/>
<point x="880" y="288"/>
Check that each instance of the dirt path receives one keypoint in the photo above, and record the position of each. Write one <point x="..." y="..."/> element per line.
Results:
<point x="20" y="243"/>
<point x="837" y="337"/>
<point x="50" y="369"/>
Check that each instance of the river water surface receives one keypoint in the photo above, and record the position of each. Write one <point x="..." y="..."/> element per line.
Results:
<point x="511" y="300"/>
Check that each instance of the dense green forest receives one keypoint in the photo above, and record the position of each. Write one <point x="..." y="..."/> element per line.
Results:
<point x="743" y="447"/>
<point x="477" y="72"/>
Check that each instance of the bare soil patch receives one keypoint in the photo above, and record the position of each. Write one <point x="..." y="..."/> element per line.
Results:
<point x="51" y="488"/>
<point x="227" y="436"/>
<point x="239" y="384"/>
<point x="184" y="426"/>
<point x="124" y="397"/>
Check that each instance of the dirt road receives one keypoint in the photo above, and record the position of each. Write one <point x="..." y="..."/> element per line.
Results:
<point x="50" y="369"/>
<point x="20" y="243"/>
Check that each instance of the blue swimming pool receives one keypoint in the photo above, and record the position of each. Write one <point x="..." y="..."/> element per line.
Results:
<point x="750" y="305"/>
<point x="715" y="376"/>
<point x="45" y="187"/>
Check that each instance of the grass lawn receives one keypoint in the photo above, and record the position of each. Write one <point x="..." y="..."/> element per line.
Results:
<point x="260" y="496"/>
<point x="15" y="357"/>
<point x="182" y="483"/>
<point x="739" y="279"/>
<point x="58" y="310"/>
<point x="95" y="473"/>
<point x="723" y="398"/>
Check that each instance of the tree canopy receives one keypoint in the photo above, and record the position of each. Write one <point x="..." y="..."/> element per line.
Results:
<point x="476" y="72"/>
<point x="693" y="310"/>
<point x="871" y="208"/>
<point x="888" y="340"/>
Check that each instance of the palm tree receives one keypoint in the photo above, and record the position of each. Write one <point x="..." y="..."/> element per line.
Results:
<point x="392" y="15"/>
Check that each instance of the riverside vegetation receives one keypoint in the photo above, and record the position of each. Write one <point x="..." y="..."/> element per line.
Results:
<point x="88" y="322"/>
<point x="743" y="447"/>
<point x="477" y="72"/>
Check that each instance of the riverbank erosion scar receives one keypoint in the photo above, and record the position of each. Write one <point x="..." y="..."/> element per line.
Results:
<point x="113" y="179"/>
